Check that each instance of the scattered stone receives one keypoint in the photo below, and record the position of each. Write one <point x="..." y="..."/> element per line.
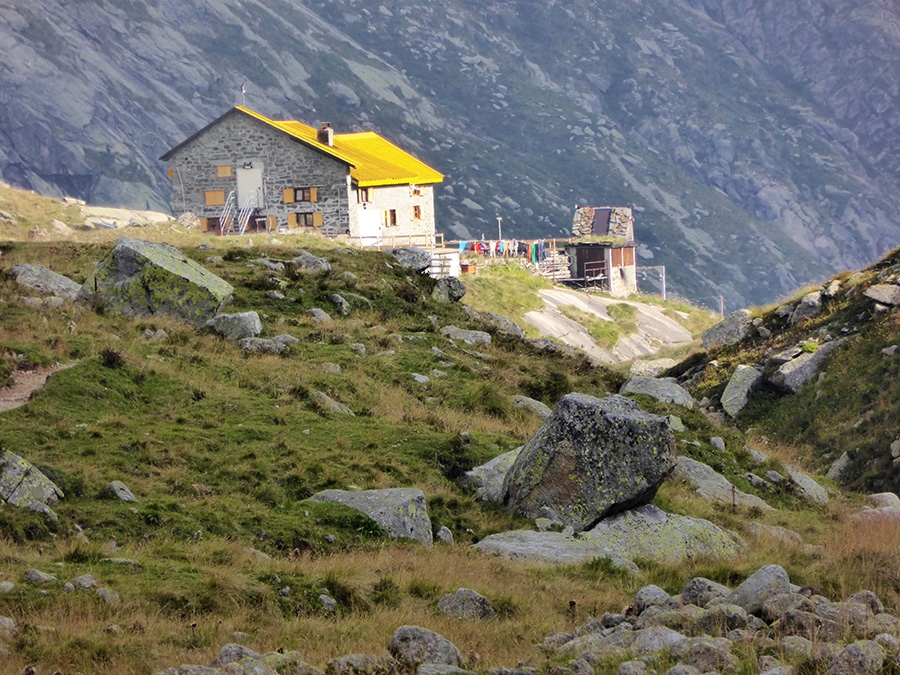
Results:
<point x="701" y="592"/>
<point x="496" y="323"/>
<point x="731" y="329"/>
<point x="328" y="603"/>
<point x="466" y="604"/>
<point x="121" y="491"/>
<point x="421" y="379"/>
<point x="837" y="469"/>
<point x="737" y="393"/>
<point x="487" y="480"/>
<point x="718" y="443"/>
<point x="319" y="315"/>
<point x="33" y="576"/>
<point x="714" y="486"/>
<point x="448" y="290"/>
<point x="108" y="595"/>
<point x="591" y="458"/>
<point x="653" y="368"/>
<point x="328" y="404"/>
<point x="810" y="305"/>
<point x="882" y="500"/>
<point x="263" y="345"/>
<point x="7" y="587"/>
<point x="308" y="264"/>
<point x="22" y="484"/>
<point x="885" y="294"/>
<point x="41" y="280"/>
<point x="531" y="405"/>
<point x="412" y="646"/>
<point x="358" y="347"/>
<point x="332" y="368"/>
<point x="342" y="306"/>
<point x="444" y="536"/>
<point x="791" y="376"/>
<point x="411" y="258"/>
<point x="85" y="581"/>
<point x="236" y="326"/>
<point x="400" y="511"/>
<point x="140" y="278"/>
<point x="763" y="584"/>
<point x="470" y="337"/>
<point x="805" y="487"/>
<point x="665" y="390"/>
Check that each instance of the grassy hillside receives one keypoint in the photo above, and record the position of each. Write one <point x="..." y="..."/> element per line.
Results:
<point x="223" y="450"/>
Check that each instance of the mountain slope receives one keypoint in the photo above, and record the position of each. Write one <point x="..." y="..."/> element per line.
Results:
<point x="758" y="144"/>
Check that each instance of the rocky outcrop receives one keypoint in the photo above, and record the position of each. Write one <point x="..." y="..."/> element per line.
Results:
<point x="466" y="604"/>
<point x="496" y="323"/>
<point x="591" y="458"/>
<point x="412" y="646"/>
<point x="646" y="532"/>
<point x="308" y="264"/>
<point x="236" y="326"/>
<point x="411" y="258"/>
<point x="800" y="369"/>
<point x="400" y="511"/>
<point x="23" y="485"/>
<point x="41" y="280"/>
<point x="471" y="337"/>
<point x="713" y="486"/>
<point x="487" y="480"/>
<point x="140" y="278"/>
<point x="448" y="290"/>
<point x="737" y="392"/>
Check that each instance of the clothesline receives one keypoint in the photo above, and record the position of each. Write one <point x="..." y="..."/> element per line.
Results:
<point x="536" y="250"/>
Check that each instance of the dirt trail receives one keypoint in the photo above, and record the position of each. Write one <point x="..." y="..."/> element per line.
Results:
<point x="655" y="330"/>
<point x="26" y="383"/>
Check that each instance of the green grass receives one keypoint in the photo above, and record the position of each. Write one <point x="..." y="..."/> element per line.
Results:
<point x="509" y="290"/>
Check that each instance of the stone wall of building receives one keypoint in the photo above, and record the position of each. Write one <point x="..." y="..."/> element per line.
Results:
<point x="401" y="199"/>
<point x="239" y="140"/>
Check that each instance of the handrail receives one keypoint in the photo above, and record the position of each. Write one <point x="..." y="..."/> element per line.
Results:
<point x="225" y="221"/>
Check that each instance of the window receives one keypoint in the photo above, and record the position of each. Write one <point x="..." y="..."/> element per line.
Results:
<point x="223" y="171"/>
<point x="306" y="194"/>
<point x="316" y="219"/>
<point x="390" y="218"/>
<point x="417" y="212"/>
<point x="363" y="195"/>
<point x="215" y="197"/>
<point x="415" y="190"/>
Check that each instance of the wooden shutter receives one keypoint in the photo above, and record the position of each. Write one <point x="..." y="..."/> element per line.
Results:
<point x="271" y="223"/>
<point x="313" y="194"/>
<point x="171" y="172"/>
<point x="223" y="171"/>
<point x="215" y="197"/>
<point x="318" y="219"/>
<point x="288" y="195"/>
<point x="204" y="225"/>
<point x="629" y="256"/>
<point x="292" y="220"/>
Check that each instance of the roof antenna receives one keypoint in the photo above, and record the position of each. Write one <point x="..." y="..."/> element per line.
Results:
<point x="243" y="91"/>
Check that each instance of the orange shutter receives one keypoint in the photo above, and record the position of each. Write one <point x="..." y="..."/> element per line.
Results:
<point x="223" y="171"/>
<point x="215" y="197"/>
<point x="318" y="219"/>
<point x="204" y="226"/>
<point x="288" y="195"/>
<point x="313" y="194"/>
<point x="292" y="220"/>
<point x="171" y="172"/>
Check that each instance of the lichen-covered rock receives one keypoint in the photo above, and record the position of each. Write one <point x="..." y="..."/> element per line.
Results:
<point x="665" y="390"/>
<point x="448" y="290"/>
<point x="805" y="487"/>
<point x="139" y="278"/>
<point x="328" y="404"/>
<point x="263" y="345"/>
<point x="650" y="596"/>
<point x="22" y="484"/>
<point x="360" y="664"/>
<point x="886" y="294"/>
<point x="810" y="305"/>
<point x="38" y="278"/>
<point x="236" y="326"/>
<point x="120" y="491"/>
<point x="487" y="480"/>
<point x="466" y="604"/>
<point x="591" y="458"/>
<point x="763" y="584"/>
<point x="400" y="511"/>
<point x="740" y="386"/>
<point x="550" y="547"/>
<point x="531" y="405"/>
<point x="412" y="646"/>
<point x="713" y="486"/>
<point x="411" y="258"/>
<point x="700" y="591"/>
<point x="864" y="657"/>
<point x="731" y="329"/>
<point x="340" y="304"/>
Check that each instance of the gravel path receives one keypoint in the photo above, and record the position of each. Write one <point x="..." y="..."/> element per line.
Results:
<point x="26" y="383"/>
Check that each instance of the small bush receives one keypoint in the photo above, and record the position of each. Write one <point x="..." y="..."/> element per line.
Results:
<point x="111" y="358"/>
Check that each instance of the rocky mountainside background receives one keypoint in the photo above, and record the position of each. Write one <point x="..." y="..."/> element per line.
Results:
<point x="757" y="141"/>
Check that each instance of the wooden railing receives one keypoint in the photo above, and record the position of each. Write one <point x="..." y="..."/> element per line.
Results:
<point x="426" y="241"/>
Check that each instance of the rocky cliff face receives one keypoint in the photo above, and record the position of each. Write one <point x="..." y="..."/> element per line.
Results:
<point x="758" y="142"/>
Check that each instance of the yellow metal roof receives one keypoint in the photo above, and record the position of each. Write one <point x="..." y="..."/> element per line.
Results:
<point x="373" y="160"/>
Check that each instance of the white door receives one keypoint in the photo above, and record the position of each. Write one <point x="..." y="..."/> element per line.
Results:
<point x="369" y="222"/>
<point x="249" y="187"/>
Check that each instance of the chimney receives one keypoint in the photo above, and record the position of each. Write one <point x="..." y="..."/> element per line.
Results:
<point x="326" y="134"/>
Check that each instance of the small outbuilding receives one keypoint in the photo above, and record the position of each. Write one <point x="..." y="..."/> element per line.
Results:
<point x="602" y="253"/>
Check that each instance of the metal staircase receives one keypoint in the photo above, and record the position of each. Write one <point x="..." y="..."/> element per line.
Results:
<point x="226" y="220"/>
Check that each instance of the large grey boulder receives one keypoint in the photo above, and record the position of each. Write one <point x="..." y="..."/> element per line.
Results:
<point x="713" y="486"/>
<point x="799" y="370"/>
<point x="472" y="337"/>
<point x="737" y="392"/>
<point x="763" y="584"/>
<point x="805" y="487"/>
<point x="810" y="305"/>
<point x="139" y="278"/>
<point x="591" y="458"/>
<point x="466" y="604"/>
<point x="411" y="257"/>
<point x="531" y="405"/>
<point x="412" y="646"/>
<point x="700" y="591"/>
<point x="120" y="491"/>
<point x="665" y="390"/>
<point x="731" y="329"/>
<point x="400" y="511"/>
<point x="448" y="290"/>
<point x="487" y="480"/>
<point x="22" y="484"/>
<point x="38" y="278"/>
<point x="646" y="532"/>
<point x="236" y="326"/>
<point x="864" y="657"/>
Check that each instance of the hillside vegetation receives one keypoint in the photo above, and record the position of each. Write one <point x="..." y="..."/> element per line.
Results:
<point x="224" y="448"/>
